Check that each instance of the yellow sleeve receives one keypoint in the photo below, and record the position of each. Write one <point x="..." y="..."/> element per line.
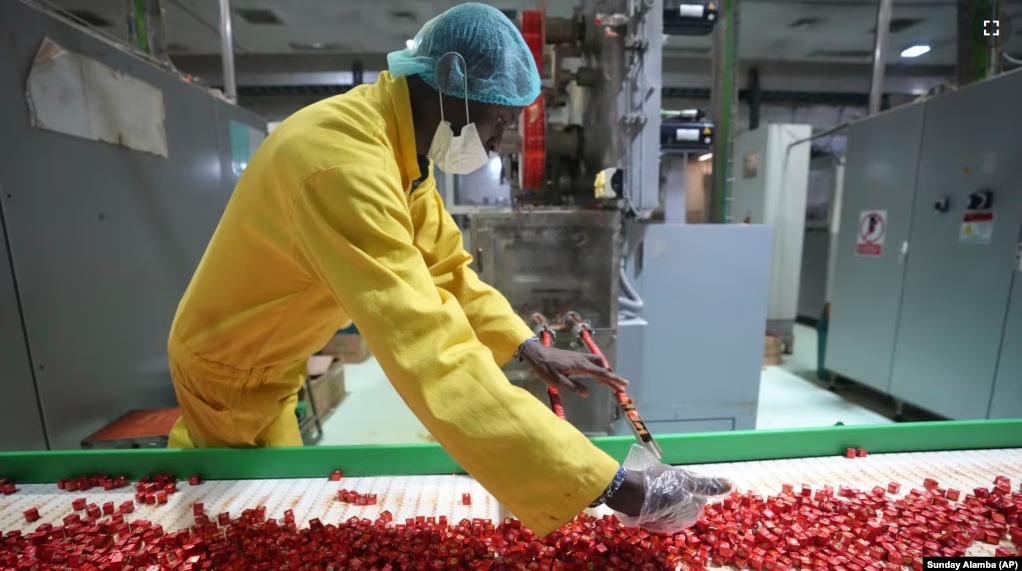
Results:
<point x="353" y="228"/>
<point x="439" y="240"/>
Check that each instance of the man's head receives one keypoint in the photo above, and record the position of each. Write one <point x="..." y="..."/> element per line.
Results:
<point x="491" y="120"/>
<point x="471" y="51"/>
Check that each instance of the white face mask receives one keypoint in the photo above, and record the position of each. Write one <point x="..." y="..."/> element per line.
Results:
<point x="457" y="155"/>
<point x="463" y="154"/>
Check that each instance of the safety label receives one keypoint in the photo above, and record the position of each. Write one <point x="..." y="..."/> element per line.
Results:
<point x="977" y="227"/>
<point x="869" y="240"/>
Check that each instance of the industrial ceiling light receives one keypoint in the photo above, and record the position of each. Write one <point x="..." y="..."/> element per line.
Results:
<point x="409" y="43"/>
<point x="915" y="51"/>
<point x="706" y="157"/>
<point x="318" y="47"/>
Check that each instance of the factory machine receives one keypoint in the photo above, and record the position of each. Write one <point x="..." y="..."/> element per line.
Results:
<point x="678" y="310"/>
<point x="927" y="292"/>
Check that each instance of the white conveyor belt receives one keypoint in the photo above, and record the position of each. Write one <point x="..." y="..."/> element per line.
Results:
<point x="409" y="496"/>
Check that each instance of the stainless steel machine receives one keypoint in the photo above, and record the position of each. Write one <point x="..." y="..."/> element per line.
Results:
<point x="553" y="262"/>
<point x="927" y="292"/>
<point x="563" y="223"/>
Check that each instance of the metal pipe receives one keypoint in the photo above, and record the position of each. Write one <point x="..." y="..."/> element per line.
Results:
<point x="227" y="51"/>
<point x="157" y="31"/>
<point x="876" y="88"/>
<point x="724" y="102"/>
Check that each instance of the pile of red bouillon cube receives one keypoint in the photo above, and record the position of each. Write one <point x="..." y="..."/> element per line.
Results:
<point x="800" y="528"/>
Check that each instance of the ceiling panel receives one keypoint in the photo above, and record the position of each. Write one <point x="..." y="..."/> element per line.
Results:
<point x="794" y="30"/>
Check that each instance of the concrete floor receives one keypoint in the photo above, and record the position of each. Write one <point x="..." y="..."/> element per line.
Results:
<point x="789" y="398"/>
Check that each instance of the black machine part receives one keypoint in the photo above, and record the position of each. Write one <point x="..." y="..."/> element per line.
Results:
<point x="982" y="200"/>
<point x="690" y="17"/>
<point x="680" y="135"/>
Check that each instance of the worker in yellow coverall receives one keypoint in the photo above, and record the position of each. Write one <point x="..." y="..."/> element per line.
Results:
<point x="337" y="219"/>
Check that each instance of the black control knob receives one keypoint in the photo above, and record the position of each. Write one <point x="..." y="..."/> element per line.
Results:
<point x="981" y="200"/>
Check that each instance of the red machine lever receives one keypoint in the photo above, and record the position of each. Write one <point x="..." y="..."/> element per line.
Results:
<point x="546" y="337"/>
<point x="555" y="397"/>
<point x="627" y="404"/>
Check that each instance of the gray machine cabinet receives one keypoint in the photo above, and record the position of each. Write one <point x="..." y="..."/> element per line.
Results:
<point x="104" y="239"/>
<point x="21" y="423"/>
<point x="956" y="294"/>
<point x="705" y="290"/>
<point x="1007" y="398"/>
<point x="880" y="174"/>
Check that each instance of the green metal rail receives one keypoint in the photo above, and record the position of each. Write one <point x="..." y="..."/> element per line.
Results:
<point x="426" y="459"/>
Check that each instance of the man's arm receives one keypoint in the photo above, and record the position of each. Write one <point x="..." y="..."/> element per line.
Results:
<point x="439" y="240"/>
<point x="354" y="230"/>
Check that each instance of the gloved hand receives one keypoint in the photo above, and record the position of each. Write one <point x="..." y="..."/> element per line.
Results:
<point x="556" y="366"/>
<point x="672" y="498"/>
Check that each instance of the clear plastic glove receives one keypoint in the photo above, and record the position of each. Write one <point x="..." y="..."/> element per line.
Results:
<point x="674" y="497"/>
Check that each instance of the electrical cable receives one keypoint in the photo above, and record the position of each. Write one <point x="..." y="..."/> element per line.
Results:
<point x="629" y="290"/>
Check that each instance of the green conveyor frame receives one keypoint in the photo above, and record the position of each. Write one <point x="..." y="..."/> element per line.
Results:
<point x="430" y="459"/>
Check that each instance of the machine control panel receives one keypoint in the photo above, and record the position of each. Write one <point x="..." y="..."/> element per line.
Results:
<point x="681" y="135"/>
<point x="690" y="17"/>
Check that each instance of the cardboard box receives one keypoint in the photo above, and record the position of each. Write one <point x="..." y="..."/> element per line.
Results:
<point x="328" y="390"/>
<point x="772" y="350"/>
<point x="348" y="347"/>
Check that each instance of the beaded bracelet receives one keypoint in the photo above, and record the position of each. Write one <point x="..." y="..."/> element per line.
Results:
<point x="518" y="352"/>
<point x="619" y="479"/>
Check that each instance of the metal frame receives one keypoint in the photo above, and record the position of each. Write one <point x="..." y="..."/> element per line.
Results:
<point x="429" y="459"/>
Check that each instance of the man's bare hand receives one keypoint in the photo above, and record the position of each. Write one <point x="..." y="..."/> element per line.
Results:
<point x="557" y="366"/>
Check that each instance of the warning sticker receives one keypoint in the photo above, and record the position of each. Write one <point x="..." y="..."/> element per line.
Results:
<point x="869" y="241"/>
<point x="977" y="227"/>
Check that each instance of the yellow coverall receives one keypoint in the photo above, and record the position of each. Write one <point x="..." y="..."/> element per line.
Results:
<point x="324" y="228"/>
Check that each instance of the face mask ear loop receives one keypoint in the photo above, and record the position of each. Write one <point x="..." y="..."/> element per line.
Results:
<point x="439" y="92"/>
<point x="468" y="120"/>
<point x="465" y="77"/>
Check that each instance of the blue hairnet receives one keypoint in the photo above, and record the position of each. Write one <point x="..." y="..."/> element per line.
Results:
<point x="495" y="59"/>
